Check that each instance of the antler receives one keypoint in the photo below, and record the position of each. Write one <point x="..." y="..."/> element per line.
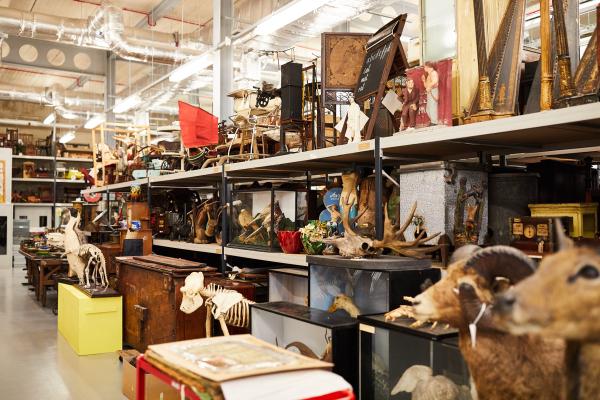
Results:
<point x="393" y="238"/>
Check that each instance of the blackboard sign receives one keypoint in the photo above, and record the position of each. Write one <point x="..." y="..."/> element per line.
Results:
<point x="372" y="70"/>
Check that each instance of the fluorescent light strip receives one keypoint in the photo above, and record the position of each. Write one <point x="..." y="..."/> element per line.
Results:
<point x="127" y="104"/>
<point x="49" y="119"/>
<point x="193" y="66"/>
<point x="286" y="15"/>
<point x="94" y="122"/>
<point x="67" y="137"/>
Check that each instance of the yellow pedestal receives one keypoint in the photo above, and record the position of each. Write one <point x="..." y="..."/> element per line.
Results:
<point x="582" y="216"/>
<point x="90" y="325"/>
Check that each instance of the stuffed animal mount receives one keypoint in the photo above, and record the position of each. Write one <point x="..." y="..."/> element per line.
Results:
<point x="353" y="245"/>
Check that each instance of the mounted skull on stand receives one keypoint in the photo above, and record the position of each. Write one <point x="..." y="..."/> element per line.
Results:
<point x="85" y="260"/>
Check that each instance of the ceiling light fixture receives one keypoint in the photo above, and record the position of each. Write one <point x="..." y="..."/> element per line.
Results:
<point x="49" y="119"/>
<point x="67" y="137"/>
<point x="193" y="66"/>
<point x="127" y="104"/>
<point x="69" y="115"/>
<point x="286" y="15"/>
<point x="94" y="122"/>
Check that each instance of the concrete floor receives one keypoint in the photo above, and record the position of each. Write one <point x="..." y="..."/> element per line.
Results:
<point x="35" y="360"/>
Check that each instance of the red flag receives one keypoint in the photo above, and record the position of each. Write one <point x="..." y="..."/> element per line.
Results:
<point x="198" y="127"/>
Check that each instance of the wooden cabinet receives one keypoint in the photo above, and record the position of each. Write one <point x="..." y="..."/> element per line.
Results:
<point x="110" y="251"/>
<point x="150" y="286"/>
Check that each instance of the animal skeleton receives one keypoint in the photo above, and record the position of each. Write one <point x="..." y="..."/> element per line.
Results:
<point x="227" y="306"/>
<point x="85" y="260"/>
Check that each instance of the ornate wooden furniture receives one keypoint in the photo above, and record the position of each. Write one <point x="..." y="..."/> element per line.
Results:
<point x="583" y="217"/>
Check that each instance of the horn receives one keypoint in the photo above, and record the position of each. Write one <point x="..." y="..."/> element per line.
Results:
<point x="564" y="242"/>
<point x="501" y="261"/>
<point x="464" y="252"/>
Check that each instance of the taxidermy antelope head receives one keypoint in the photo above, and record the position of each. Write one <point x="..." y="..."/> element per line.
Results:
<point x="562" y="299"/>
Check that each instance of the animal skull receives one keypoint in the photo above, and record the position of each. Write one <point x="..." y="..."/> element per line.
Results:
<point x="192" y="299"/>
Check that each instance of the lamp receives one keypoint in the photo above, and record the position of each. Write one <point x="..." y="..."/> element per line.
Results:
<point x="69" y="115"/>
<point x="94" y="122"/>
<point x="127" y="104"/>
<point x="286" y="15"/>
<point x="49" y="119"/>
<point x="191" y="67"/>
<point x="67" y="137"/>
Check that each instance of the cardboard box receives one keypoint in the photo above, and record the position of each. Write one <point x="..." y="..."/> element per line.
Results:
<point x="90" y="325"/>
<point x="155" y="388"/>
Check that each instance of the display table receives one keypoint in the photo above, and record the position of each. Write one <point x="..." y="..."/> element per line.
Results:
<point x="176" y="381"/>
<point x="90" y="325"/>
<point x="41" y="272"/>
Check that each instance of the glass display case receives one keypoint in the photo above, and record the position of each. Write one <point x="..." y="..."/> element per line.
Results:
<point x="366" y="286"/>
<point x="258" y="214"/>
<point x="313" y="333"/>
<point x="288" y="284"/>
<point x="389" y="349"/>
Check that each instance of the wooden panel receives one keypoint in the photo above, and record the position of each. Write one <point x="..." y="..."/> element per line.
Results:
<point x="169" y="261"/>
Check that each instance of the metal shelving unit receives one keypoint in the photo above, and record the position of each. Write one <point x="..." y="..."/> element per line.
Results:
<point x="569" y="130"/>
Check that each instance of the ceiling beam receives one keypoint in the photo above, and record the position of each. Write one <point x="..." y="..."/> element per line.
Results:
<point x="159" y="11"/>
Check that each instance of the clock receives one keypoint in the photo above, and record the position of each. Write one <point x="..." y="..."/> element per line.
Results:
<point x="533" y="235"/>
<point x="529" y="231"/>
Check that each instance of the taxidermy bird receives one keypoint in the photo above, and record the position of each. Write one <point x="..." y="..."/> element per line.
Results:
<point x="420" y="382"/>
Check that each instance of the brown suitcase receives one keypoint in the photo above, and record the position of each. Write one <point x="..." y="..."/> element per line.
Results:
<point x="150" y="287"/>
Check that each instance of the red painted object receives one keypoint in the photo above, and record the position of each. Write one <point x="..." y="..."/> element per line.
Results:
<point x="144" y="367"/>
<point x="290" y="241"/>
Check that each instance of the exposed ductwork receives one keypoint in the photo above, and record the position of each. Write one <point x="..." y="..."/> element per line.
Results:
<point x="104" y="29"/>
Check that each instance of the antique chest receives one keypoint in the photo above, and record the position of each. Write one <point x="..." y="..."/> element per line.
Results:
<point x="150" y="286"/>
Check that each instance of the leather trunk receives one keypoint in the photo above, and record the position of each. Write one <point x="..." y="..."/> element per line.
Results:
<point x="150" y="287"/>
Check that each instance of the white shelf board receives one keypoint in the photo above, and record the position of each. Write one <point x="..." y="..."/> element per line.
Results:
<point x="48" y="158"/>
<point x="48" y="180"/>
<point x="329" y="158"/>
<point x="24" y="157"/>
<point x="211" y="248"/>
<point x="33" y="204"/>
<point x="566" y="128"/>
<point x="79" y="160"/>
<point x="192" y="178"/>
<point x="274" y="257"/>
<point x="116" y="186"/>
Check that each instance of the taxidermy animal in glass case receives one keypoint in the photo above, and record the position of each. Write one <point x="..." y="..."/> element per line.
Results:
<point x="227" y="306"/>
<point x="572" y="276"/>
<point x="303" y="349"/>
<point x="420" y="382"/>
<point x="85" y="260"/>
<point x="502" y="366"/>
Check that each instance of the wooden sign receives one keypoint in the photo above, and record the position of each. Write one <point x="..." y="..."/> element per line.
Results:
<point x="384" y="60"/>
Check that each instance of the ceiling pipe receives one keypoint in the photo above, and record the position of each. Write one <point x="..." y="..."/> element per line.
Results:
<point x="34" y="124"/>
<point x="104" y="29"/>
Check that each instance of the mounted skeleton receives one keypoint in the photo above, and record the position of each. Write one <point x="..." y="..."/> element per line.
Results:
<point x="85" y="260"/>
<point x="227" y="306"/>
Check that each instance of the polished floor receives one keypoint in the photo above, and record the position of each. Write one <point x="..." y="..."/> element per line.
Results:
<point x="36" y="362"/>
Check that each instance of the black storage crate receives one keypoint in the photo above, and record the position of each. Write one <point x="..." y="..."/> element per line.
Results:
<point x="388" y="349"/>
<point x="311" y="332"/>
